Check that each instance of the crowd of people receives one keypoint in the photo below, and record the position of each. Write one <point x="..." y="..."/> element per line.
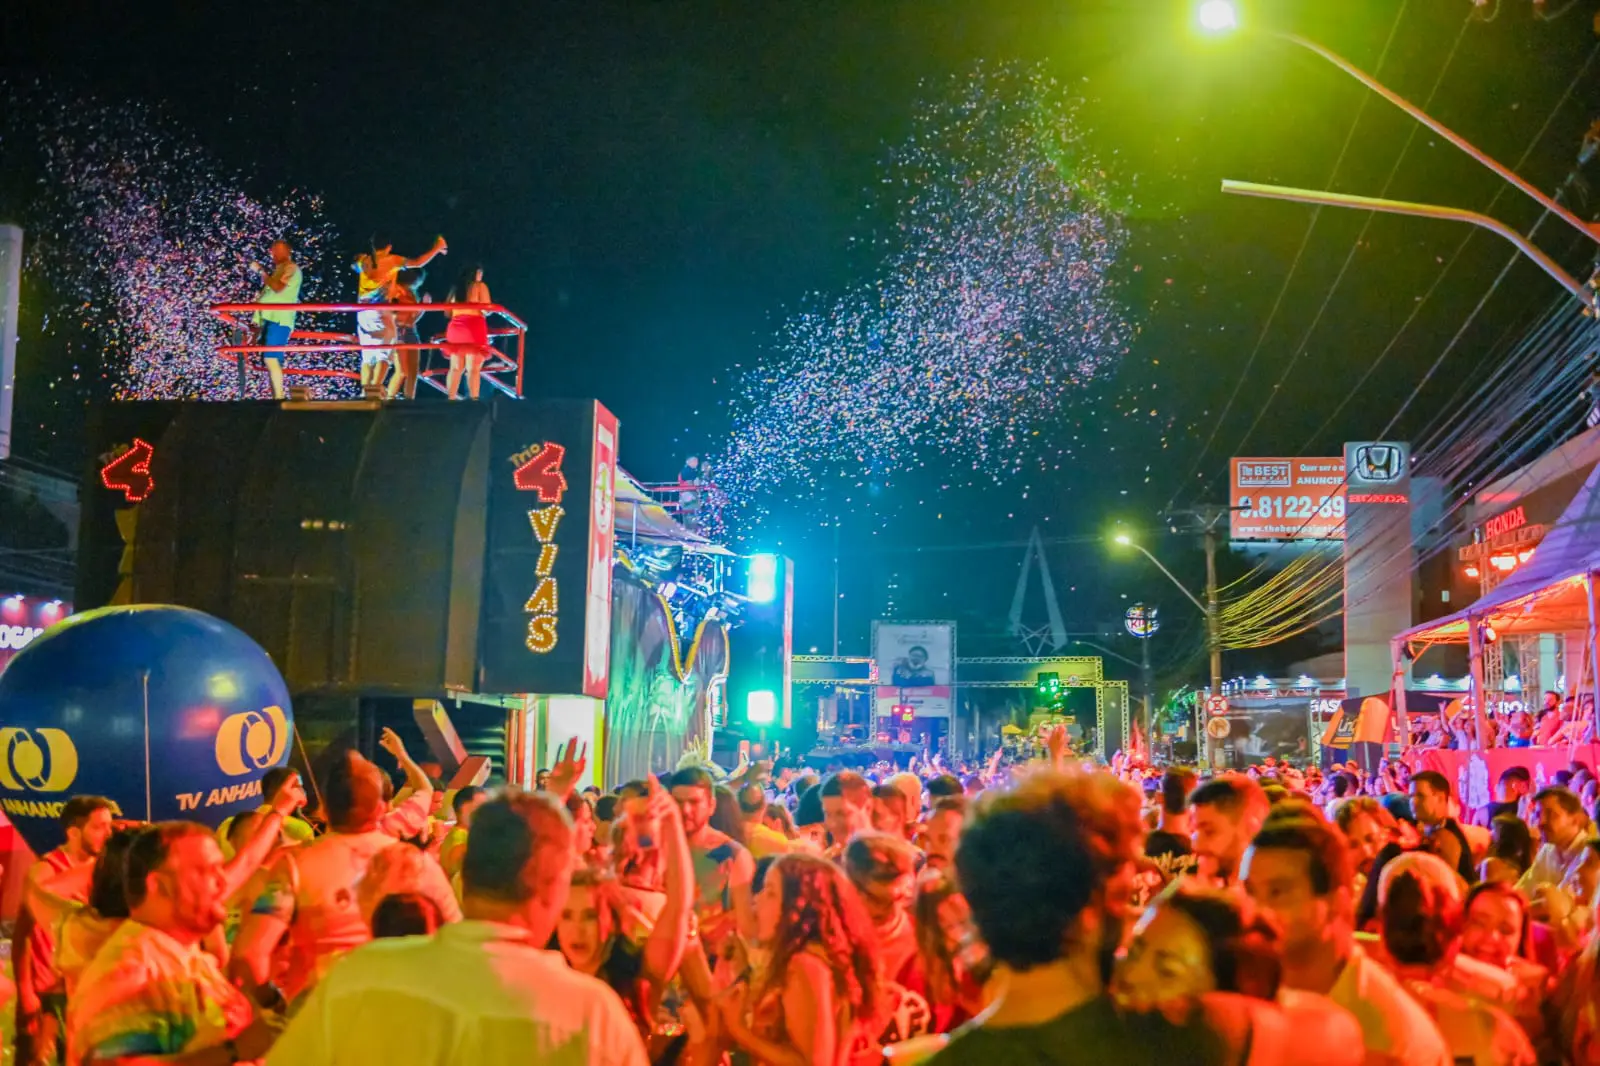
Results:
<point x="1038" y="914"/>
<point x="390" y="345"/>
<point x="1557" y="722"/>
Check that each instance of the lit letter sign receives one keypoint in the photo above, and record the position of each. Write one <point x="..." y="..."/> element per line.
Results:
<point x="129" y="472"/>
<point x="1501" y="524"/>
<point x="539" y="470"/>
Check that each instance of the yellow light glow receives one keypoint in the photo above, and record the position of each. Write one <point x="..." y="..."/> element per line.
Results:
<point x="1123" y="539"/>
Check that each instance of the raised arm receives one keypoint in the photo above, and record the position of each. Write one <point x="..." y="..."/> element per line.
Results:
<point x="663" y="950"/>
<point x="248" y="859"/>
<point x="263" y="927"/>
<point x="439" y="248"/>
<point x="54" y="897"/>
<point x="416" y="780"/>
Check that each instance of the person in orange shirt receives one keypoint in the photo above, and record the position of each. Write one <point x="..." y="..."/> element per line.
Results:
<point x="378" y="268"/>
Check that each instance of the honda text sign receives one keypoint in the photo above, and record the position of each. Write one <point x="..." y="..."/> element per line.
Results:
<point x="1287" y="499"/>
<point x="1378" y="472"/>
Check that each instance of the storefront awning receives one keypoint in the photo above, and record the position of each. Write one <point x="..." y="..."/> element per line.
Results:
<point x="1547" y="594"/>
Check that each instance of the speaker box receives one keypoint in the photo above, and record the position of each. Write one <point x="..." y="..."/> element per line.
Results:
<point x="383" y="550"/>
<point x="348" y="542"/>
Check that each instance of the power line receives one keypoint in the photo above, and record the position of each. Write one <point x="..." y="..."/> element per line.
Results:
<point x="1355" y="246"/>
<point x="1294" y="265"/>
<point x="1438" y="278"/>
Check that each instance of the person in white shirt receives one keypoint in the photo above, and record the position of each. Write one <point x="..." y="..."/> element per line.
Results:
<point x="1299" y="870"/>
<point x="1555" y="883"/>
<point x="1566" y="830"/>
<point x="482" y="992"/>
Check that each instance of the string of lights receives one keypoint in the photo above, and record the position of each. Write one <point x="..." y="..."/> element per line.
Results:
<point x="1295" y="599"/>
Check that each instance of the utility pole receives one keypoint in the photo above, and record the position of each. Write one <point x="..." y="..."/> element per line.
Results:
<point x="1147" y="681"/>
<point x="835" y="586"/>
<point x="1213" y="621"/>
<point x="1207" y="520"/>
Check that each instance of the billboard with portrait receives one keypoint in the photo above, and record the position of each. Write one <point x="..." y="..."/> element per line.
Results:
<point x="915" y="661"/>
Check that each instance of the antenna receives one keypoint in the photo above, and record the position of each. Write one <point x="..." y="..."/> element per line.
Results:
<point x="1054" y="632"/>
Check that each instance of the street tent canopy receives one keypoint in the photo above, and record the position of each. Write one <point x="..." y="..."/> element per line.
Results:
<point x="1547" y="594"/>
<point x="642" y="519"/>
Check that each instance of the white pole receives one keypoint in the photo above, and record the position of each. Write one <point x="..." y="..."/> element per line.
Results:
<point x="10" y="295"/>
<point x="1475" y="653"/>
<point x="1593" y="648"/>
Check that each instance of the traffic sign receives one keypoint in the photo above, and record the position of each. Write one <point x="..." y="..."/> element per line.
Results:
<point x="1216" y="705"/>
<point x="1218" y="728"/>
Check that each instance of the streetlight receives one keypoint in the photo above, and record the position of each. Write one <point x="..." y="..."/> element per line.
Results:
<point x="1213" y="636"/>
<point x="1128" y="542"/>
<point x="1209" y="608"/>
<point x="1405" y="207"/>
<point x="1219" y="16"/>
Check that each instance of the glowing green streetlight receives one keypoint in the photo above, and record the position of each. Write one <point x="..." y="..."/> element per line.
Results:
<point x="1217" y="16"/>
<point x="1123" y="539"/>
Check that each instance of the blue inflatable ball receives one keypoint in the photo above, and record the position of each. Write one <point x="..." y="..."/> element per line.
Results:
<point x="168" y="712"/>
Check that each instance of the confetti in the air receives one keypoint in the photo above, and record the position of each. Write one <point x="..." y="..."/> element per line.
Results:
<point x="141" y="231"/>
<point x="993" y="310"/>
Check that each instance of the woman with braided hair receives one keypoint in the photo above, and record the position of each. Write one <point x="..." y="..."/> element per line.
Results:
<point x="820" y="984"/>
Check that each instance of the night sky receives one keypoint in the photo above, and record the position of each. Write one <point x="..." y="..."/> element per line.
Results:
<point x="655" y="185"/>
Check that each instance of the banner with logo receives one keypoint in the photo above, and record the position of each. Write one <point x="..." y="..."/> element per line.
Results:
<point x="602" y="539"/>
<point x="1378" y="554"/>
<point x="23" y="618"/>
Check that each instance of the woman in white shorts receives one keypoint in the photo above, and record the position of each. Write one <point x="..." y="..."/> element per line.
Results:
<point x="376" y="270"/>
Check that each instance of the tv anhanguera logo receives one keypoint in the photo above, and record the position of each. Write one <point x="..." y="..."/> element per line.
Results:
<point x="44" y="760"/>
<point x="252" y="740"/>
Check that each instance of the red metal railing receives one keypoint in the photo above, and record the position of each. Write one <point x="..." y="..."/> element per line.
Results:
<point x="502" y="370"/>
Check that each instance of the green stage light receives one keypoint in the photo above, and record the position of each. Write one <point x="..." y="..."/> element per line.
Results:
<point x="761" y="707"/>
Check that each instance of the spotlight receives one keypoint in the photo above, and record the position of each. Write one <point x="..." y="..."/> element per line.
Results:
<point x="761" y="707"/>
<point x="659" y="559"/>
<point x="763" y="583"/>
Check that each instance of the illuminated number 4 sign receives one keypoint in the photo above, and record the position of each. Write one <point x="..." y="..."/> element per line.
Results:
<point x="129" y="472"/>
<point x="538" y="469"/>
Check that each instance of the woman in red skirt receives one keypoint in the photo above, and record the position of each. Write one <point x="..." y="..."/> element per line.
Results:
<point x="467" y="338"/>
